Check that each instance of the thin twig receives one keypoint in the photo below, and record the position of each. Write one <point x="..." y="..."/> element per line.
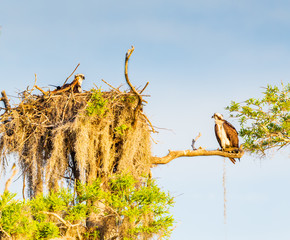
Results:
<point x="67" y="224"/>
<point x="79" y="235"/>
<point x="153" y="139"/>
<point x="31" y="90"/>
<point x="153" y="130"/>
<point x="71" y="73"/>
<point x="41" y="90"/>
<point x="117" y="90"/>
<point x="144" y="87"/>
<point x="57" y="216"/>
<point x="68" y="99"/>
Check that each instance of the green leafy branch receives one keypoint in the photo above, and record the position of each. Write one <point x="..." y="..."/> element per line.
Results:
<point x="265" y="122"/>
<point x="137" y="208"/>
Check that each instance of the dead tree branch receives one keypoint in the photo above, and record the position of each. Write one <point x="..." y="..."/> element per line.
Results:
<point x="7" y="185"/>
<point x="138" y="94"/>
<point x="5" y="100"/>
<point x="140" y="99"/>
<point x="195" y="153"/>
<point x="71" y="73"/>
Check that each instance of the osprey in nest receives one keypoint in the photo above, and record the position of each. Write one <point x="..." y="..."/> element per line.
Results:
<point x="75" y="85"/>
<point x="226" y="133"/>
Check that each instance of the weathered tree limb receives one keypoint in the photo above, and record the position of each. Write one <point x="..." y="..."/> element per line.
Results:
<point x="5" y="100"/>
<point x="195" y="153"/>
<point x="140" y="99"/>
<point x="128" y="55"/>
<point x="7" y="185"/>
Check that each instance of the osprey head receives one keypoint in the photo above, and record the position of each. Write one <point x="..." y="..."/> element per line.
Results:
<point x="80" y="77"/>
<point x="218" y="116"/>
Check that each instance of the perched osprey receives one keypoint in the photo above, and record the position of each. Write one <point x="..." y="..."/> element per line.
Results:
<point x="77" y="82"/>
<point x="226" y="133"/>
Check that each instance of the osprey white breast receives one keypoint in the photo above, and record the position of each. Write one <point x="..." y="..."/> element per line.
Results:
<point x="225" y="142"/>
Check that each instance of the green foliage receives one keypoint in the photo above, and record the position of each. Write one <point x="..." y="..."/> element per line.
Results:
<point x="143" y="207"/>
<point x="146" y="207"/>
<point x="97" y="104"/>
<point x="121" y="129"/>
<point x="135" y="208"/>
<point x="265" y="122"/>
<point x="46" y="230"/>
<point x="15" y="217"/>
<point x="54" y="202"/>
<point x="92" y="235"/>
<point x="91" y="192"/>
<point x="130" y="98"/>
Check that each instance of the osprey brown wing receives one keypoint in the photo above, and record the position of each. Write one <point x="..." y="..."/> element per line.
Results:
<point x="232" y="134"/>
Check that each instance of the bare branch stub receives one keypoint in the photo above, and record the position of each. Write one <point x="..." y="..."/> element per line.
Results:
<point x="194" y="141"/>
<point x="144" y="88"/>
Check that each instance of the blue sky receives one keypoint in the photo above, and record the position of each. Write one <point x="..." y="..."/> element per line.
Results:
<point x="197" y="56"/>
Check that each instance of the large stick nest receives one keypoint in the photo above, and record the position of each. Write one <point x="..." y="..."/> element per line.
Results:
<point x="75" y="137"/>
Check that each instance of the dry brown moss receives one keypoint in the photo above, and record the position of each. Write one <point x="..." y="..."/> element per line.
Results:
<point x="57" y="137"/>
